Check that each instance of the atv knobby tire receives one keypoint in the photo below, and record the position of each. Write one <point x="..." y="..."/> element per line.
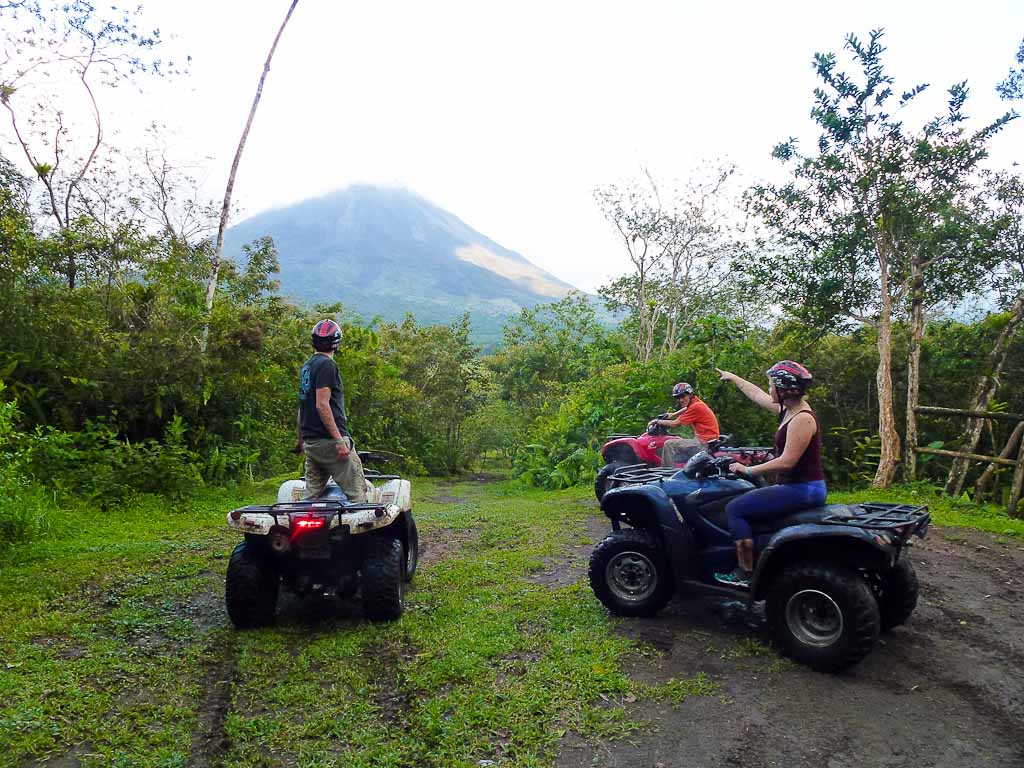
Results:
<point x="823" y="614"/>
<point x="630" y="573"/>
<point x="251" y="587"/>
<point x="412" y="548"/>
<point x="601" y="481"/>
<point x="383" y="578"/>
<point x="897" y="594"/>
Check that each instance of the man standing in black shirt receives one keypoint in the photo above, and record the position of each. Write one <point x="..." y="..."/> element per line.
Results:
<point x="323" y="427"/>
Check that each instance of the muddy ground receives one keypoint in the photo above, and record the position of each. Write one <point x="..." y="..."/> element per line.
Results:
<point x="945" y="690"/>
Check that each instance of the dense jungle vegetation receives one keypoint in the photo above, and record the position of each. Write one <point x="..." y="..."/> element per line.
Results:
<point x="891" y="263"/>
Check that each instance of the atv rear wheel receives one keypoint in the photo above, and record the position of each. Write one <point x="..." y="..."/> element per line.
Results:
<point x="824" y="615"/>
<point x="251" y="587"/>
<point x="412" y="547"/>
<point x="630" y="573"/>
<point x="383" y="578"/>
<point x="601" y="482"/>
<point x="897" y="594"/>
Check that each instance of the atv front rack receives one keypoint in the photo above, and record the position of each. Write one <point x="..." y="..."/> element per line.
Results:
<point x="883" y="516"/>
<point x="641" y="473"/>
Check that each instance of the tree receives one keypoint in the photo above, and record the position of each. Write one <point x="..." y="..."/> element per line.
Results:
<point x="211" y="285"/>
<point x="546" y="348"/>
<point x="859" y="216"/>
<point x="636" y="212"/>
<point x="448" y="379"/>
<point x="1013" y="86"/>
<point x="1006" y="193"/>
<point x="60" y="134"/>
<point x="953" y="248"/>
<point x="700" y="238"/>
<point x="680" y="242"/>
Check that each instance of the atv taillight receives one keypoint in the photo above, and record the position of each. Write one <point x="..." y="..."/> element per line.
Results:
<point x="236" y="514"/>
<point x="310" y="523"/>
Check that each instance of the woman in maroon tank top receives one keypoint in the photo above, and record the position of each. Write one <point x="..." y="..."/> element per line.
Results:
<point x="797" y="457"/>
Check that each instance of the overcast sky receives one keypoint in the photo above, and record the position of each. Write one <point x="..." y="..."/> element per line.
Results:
<point x="509" y="114"/>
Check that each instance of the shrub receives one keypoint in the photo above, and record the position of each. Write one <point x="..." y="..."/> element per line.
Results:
<point x="23" y="508"/>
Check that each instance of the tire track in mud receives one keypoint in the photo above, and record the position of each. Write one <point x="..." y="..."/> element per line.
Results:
<point x="210" y="740"/>
<point x="211" y="744"/>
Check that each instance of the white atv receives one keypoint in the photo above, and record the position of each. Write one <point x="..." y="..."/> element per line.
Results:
<point x="326" y="546"/>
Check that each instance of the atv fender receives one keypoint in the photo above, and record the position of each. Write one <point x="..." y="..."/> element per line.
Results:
<point x="648" y="507"/>
<point x="620" y="449"/>
<point x="397" y="492"/>
<point x="257" y="523"/>
<point x="850" y="545"/>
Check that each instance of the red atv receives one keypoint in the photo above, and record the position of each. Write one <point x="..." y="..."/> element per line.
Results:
<point x="625" y="450"/>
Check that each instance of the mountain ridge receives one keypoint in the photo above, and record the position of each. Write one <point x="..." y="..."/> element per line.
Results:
<point x="383" y="251"/>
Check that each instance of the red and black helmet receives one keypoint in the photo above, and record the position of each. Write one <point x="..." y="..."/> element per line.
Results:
<point x="326" y="336"/>
<point x="682" y="388"/>
<point x="790" y="379"/>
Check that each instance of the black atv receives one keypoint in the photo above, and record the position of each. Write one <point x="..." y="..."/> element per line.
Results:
<point x="832" y="577"/>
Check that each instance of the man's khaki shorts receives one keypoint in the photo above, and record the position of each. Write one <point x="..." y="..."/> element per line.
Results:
<point x="322" y="463"/>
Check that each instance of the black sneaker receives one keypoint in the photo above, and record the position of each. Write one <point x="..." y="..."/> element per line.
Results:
<point x="737" y="577"/>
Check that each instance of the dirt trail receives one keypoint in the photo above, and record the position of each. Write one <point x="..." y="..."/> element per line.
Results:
<point x="945" y="690"/>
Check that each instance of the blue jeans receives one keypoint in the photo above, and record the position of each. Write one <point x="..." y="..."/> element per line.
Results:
<point x="771" y="502"/>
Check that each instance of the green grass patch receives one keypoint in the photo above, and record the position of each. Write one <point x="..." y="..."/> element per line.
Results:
<point x="116" y="648"/>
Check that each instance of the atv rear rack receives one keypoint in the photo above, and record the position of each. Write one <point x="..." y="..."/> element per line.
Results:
<point x="309" y="505"/>
<point x="884" y="516"/>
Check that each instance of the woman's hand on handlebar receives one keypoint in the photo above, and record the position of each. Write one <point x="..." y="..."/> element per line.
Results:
<point x="739" y="469"/>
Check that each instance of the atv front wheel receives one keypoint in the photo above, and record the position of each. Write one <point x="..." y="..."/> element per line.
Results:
<point x="824" y="615"/>
<point x="897" y="594"/>
<point x="383" y="578"/>
<point x="630" y="573"/>
<point x="412" y="548"/>
<point x="601" y="482"/>
<point x="250" y="588"/>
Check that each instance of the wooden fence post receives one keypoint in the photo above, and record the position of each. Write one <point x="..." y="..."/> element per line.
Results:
<point x="981" y="486"/>
<point x="1018" y="483"/>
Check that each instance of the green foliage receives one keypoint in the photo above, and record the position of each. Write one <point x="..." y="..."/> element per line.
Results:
<point x="851" y="456"/>
<point x="622" y="398"/>
<point x="24" y="509"/>
<point x="439" y="383"/>
<point x="496" y="425"/>
<point x="116" y="398"/>
<point x="1013" y="86"/>
<point x="94" y="464"/>
<point x="547" y="348"/>
<point x="878" y="203"/>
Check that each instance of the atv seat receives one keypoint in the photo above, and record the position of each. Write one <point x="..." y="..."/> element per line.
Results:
<point x="334" y="493"/>
<point x="801" y="517"/>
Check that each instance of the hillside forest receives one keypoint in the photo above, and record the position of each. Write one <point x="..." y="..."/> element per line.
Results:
<point x="890" y="261"/>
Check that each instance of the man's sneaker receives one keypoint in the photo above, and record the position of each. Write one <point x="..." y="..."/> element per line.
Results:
<point x="737" y="577"/>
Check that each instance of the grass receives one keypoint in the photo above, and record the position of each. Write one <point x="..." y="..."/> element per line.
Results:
<point x="101" y="640"/>
<point x="116" y="651"/>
